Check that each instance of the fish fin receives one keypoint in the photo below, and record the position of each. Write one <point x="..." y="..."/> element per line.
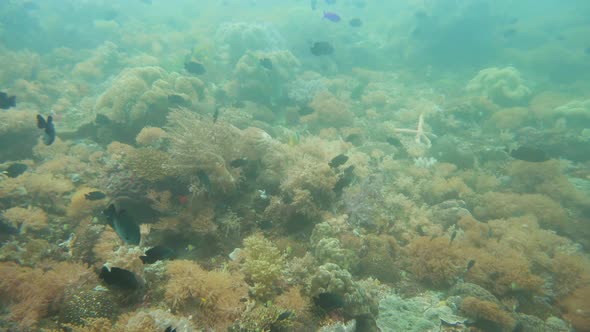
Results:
<point x="49" y="120"/>
<point x="41" y="122"/>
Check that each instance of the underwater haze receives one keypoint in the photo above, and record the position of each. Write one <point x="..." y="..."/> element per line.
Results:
<point x="294" y="165"/>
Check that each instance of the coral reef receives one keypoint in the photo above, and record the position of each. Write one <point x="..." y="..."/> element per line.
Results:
<point x="236" y="38"/>
<point x="263" y="266"/>
<point x="217" y="295"/>
<point x="504" y="86"/>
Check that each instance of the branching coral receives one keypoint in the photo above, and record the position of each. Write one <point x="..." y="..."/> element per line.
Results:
<point x="263" y="266"/>
<point x="198" y="145"/>
<point x="435" y="261"/>
<point x="29" y="292"/>
<point x="148" y="164"/>
<point x="31" y="218"/>
<point x="488" y="311"/>
<point x="502" y="85"/>
<point x="329" y="111"/>
<point x="217" y="294"/>
<point x="496" y="205"/>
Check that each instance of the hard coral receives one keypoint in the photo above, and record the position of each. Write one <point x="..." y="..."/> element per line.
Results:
<point x="31" y="218"/>
<point x="329" y="111"/>
<point x="487" y="311"/>
<point x="502" y="85"/>
<point x="263" y="265"/>
<point x="30" y="292"/>
<point x="217" y="294"/>
<point x="435" y="261"/>
<point x="576" y="308"/>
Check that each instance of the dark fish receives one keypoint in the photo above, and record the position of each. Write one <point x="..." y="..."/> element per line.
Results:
<point x="340" y="159"/>
<point x="119" y="278"/>
<point x="170" y="329"/>
<point x="204" y="180"/>
<point x="178" y="100"/>
<point x="284" y="315"/>
<point x="355" y="23"/>
<point x="266" y="63"/>
<point x="49" y="136"/>
<point x="216" y="115"/>
<point x="95" y="196"/>
<point x="470" y="265"/>
<point x="420" y="230"/>
<point x="157" y="253"/>
<point x="240" y="162"/>
<point x="15" y="169"/>
<point x="421" y="14"/>
<point x="509" y="33"/>
<point x="453" y="235"/>
<point x="529" y="154"/>
<point x="358" y="91"/>
<point x="123" y="225"/>
<point x="329" y="301"/>
<point x="102" y="120"/>
<point x="7" y="101"/>
<point x="321" y="48"/>
<point x="305" y="110"/>
<point x="345" y="180"/>
<point x="332" y="16"/>
<point x="194" y="67"/>
<point x="394" y="141"/>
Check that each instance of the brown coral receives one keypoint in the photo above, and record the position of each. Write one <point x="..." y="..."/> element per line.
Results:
<point x="486" y="310"/>
<point x="30" y="291"/>
<point x="31" y="218"/>
<point x="434" y="260"/>
<point x="216" y="294"/>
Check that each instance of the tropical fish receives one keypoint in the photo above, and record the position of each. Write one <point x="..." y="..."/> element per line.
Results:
<point x="266" y="63"/>
<point x="7" y="101"/>
<point x="49" y="136"/>
<point x="204" y="180"/>
<point x="170" y="329"/>
<point x="453" y="235"/>
<point x="216" y="115"/>
<point x="340" y="159"/>
<point x="15" y="169"/>
<point x="330" y="16"/>
<point x="529" y="154"/>
<point x="329" y="301"/>
<point x="345" y="180"/>
<point x="322" y="48"/>
<point x="95" y="195"/>
<point x="240" y="162"/>
<point x="119" y="278"/>
<point x="157" y="253"/>
<point x="355" y="23"/>
<point x="305" y="110"/>
<point x="123" y="225"/>
<point x="193" y="66"/>
<point x="470" y="265"/>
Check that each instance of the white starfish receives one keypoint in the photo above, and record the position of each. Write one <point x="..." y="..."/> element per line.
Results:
<point x="421" y="135"/>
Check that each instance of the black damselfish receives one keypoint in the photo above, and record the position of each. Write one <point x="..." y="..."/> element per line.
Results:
<point x="95" y="195"/>
<point x="118" y="277"/>
<point x="123" y="225"/>
<point x="48" y="127"/>
<point x="321" y="48"/>
<point x="7" y="101"/>
<point x="529" y="154"/>
<point x="157" y="253"/>
<point x="340" y="159"/>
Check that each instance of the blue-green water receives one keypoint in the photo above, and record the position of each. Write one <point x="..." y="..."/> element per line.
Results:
<point x="329" y="165"/>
